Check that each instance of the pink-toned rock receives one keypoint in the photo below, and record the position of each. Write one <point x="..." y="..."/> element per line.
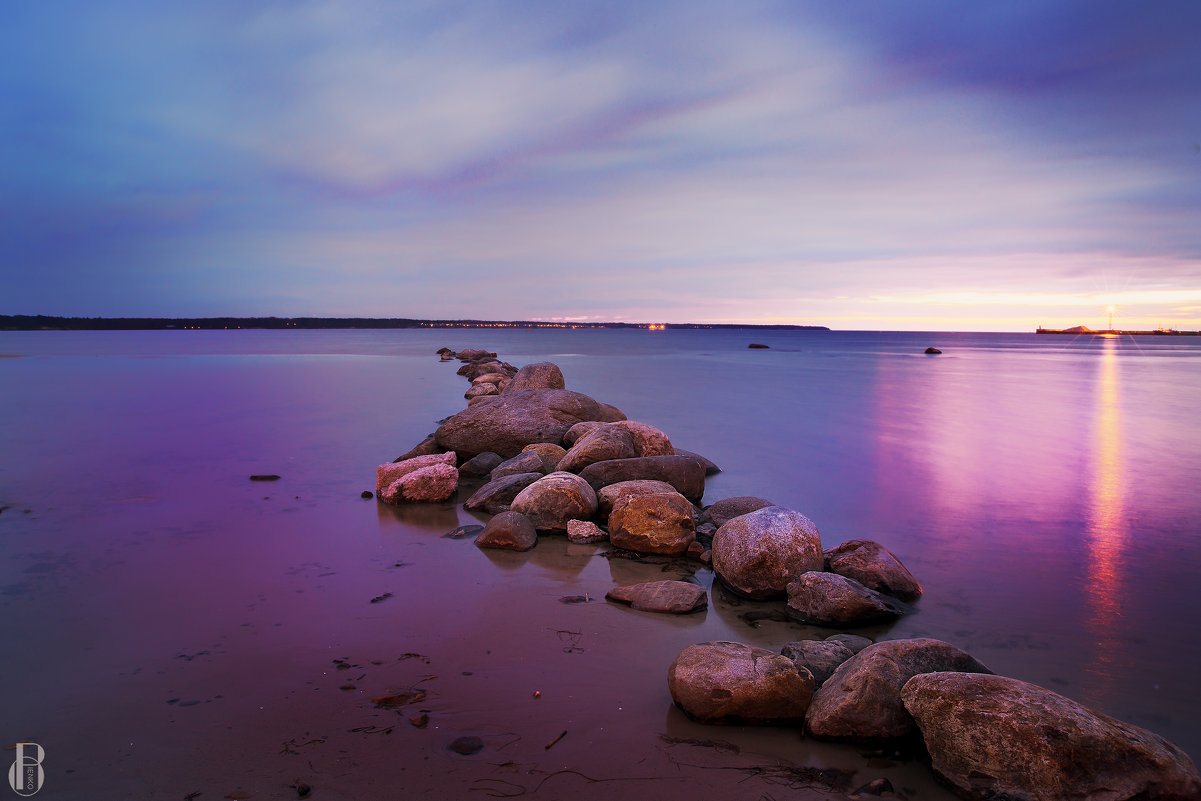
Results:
<point x="731" y="682"/>
<point x="660" y="524"/>
<point x="540" y="375"/>
<point x="585" y="532"/>
<point x="437" y="482"/>
<point x="758" y="554"/>
<point x="648" y="440"/>
<point x="385" y="474"/>
<point x="873" y="566"/>
<point x="490" y="378"/>
<point x="600" y="444"/>
<point x="608" y="496"/>
<point x="666" y="597"/>
<point x="480" y="390"/>
<point x="554" y="499"/>
<point x="505" y="424"/>
<point x="996" y="737"/>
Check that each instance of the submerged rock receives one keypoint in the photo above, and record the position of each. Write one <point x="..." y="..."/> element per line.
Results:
<point x="827" y="599"/>
<point x="757" y="554"/>
<point x="668" y="597"/>
<point x="861" y="701"/>
<point x="874" y="566"/>
<point x="996" y="737"/>
<point x="510" y="531"/>
<point x="552" y="500"/>
<point x="660" y="524"/>
<point x="731" y="682"/>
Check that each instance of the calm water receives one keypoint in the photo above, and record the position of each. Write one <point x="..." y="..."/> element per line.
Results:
<point x="170" y="627"/>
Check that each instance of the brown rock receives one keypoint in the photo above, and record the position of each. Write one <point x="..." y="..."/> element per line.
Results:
<point x="686" y="475"/>
<point x="540" y="375"/>
<point x="385" y="474"/>
<point x="819" y="657"/>
<point x="725" y="510"/>
<point x="874" y="566"/>
<point x="668" y="597"/>
<point x="610" y="495"/>
<point x="648" y="440"/>
<point x="996" y="737"/>
<point x="861" y="701"/>
<point x="827" y="599"/>
<point x="600" y="444"/>
<point x="659" y="524"/>
<point x="437" y="482"/>
<point x="473" y="353"/>
<point x="505" y="424"/>
<point x="490" y="378"/>
<point x="480" y="465"/>
<point x="549" y="453"/>
<point x="585" y="532"/>
<point x="730" y="682"/>
<point x="496" y="496"/>
<point x="480" y="390"/>
<point x="578" y="430"/>
<point x="427" y="447"/>
<point x="524" y="462"/>
<point x="710" y="467"/>
<point x="509" y="531"/>
<point x="611" y="414"/>
<point x="757" y="554"/>
<point x="554" y="499"/>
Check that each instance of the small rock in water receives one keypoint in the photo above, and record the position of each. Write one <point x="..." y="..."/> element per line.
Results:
<point x="366" y="494"/>
<point x="875" y="787"/>
<point x="668" y="597"/>
<point x="585" y="532"/>
<point x="265" y="477"/>
<point x="933" y="351"/>
<point x="509" y="531"/>
<point x="463" y="532"/>
<point x="466" y="745"/>
<point x="757" y="345"/>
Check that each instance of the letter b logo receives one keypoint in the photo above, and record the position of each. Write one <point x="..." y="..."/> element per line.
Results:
<point x="26" y="775"/>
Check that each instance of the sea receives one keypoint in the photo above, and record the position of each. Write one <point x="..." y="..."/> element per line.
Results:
<point x="171" y="629"/>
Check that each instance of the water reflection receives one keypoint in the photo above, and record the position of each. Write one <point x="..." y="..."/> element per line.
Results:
<point x="1107" y="527"/>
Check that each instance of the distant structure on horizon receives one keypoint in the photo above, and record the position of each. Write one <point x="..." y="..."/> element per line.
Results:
<point x="1084" y="329"/>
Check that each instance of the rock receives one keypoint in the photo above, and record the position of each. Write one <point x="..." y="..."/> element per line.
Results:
<point x="366" y="494"/>
<point x="585" y="532"/>
<point x="668" y="597"/>
<point x="466" y="745"/>
<point x="385" y="474"/>
<point x="659" y="524"/>
<point x="601" y="444"/>
<point x="731" y="682"/>
<point x="861" y="701"/>
<point x="710" y="467"/>
<point x="611" y="414"/>
<point x="819" y="657"/>
<point x="427" y="447"/>
<point x="757" y="554"/>
<point x="472" y="354"/>
<point x="725" y="510"/>
<point x="506" y="423"/>
<point x="827" y="599"/>
<point x="480" y="390"/>
<point x="510" y="531"/>
<point x="481" y="465"/>
<point x="756" y="345"/>
<point x="490" y="378"/>
<point x="473" y="370"/>
<point x="875" y="787"/>
<point x="548" y="452"/>
<point x="540" y="375"/>
<point x="874" y="566"/>
<point x="264" y="477"/>
<point x="610" y="495"/>
<point x="578" y="430"/>
<point x="695" y="549"/>
<point x="444" y="351"/>
<point x="685" y="474"/>
<point x="554" y="499"/>
<point x="524" y="462"/>
<point x="496" y="496"/>
<point x="852" y="641"/>
<point x="463" y="532"/>
<point x="996" y="737"/>
<point x="437" y="482"/>
<point x="446" y="357"/>
<point x="648" y="440"/>
<point x="933" y="351"/>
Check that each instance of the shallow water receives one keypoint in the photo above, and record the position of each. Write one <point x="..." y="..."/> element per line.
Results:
<point x="171" y="627"/>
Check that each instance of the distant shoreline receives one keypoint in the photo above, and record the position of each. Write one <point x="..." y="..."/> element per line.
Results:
<point x="48" y="323"/>
<point x="1081" y="330"/>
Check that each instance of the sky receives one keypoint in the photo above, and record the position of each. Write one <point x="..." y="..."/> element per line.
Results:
<point x="923" y="165"/>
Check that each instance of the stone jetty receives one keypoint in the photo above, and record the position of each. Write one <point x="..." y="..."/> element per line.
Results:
<point x="545" y="461"/>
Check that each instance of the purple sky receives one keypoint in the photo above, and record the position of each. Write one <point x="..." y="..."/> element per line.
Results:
<point x="936" y="165"/>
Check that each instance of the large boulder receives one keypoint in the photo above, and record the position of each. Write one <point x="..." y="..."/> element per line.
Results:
<point x="496" y="496"/>
<point x="505" y="424"/>
<point x="648" y="440"/>
<point x="731" y="682"/>
<point x="721" y="512"/>
<point x="874" y="566"/>
<point x="548" y="452"/>
<point x="757" y="554"/>
<point x="667" y="597"/>
<point x="827" y="599"/>
<point x="540" y="375"/>
<point x="508" y="531"/>
<point x="554" y="499"/>
<point x="993" y="737"/>
<point x="819" y="657"/>
<point x="601" y="444"/>
<point x="437" y="482"/>
<point x="660" y="524"/>
<point x="861" y="701"/>
<point x="386" y="474"/>
<point x="685" y="474"/>
<point x="611" y="414"/>
<point x="610" y="495"/>
<point x="710" y="467"/>
<point x="578" y="430"/>
<point x="524" y="462"/>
